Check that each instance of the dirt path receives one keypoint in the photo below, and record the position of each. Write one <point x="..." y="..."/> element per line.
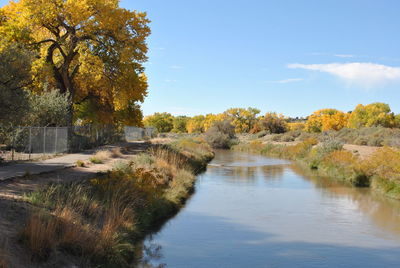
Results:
<point x="57" y="163"/>
<point x="13" y="211"/>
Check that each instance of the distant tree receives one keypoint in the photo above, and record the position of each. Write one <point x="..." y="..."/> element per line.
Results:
<point x="372" y="115"/>
<point x="272" y="123"/>
<point x="296" y="126"/>
<point x="326" y="119"/>
<point x="211" y="119"/>
<point x="179" y="124"/>
<point x="397" y="120"/>
<point x="220" y="134"/>
<point x="196" y="124"/>
<point x="163" y="122"/>
<point x="242" y="119"/>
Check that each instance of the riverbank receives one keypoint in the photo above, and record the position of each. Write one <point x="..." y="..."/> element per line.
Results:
<point x="98" y="222"/>
<point x="380" y="170"/>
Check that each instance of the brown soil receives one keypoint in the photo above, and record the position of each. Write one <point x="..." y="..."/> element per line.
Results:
<point x="14" y="211"/>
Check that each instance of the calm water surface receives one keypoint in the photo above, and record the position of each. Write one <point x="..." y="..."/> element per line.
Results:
<point x="253" y="211"/>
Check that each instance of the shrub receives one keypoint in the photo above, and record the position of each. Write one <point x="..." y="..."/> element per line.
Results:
<point x="273" y="123"/>
<point x="220" y="134"/>
<point x="80" y="163"/>
<point x="116" y="152"/>
<point x="345" y="166"/>
<point x="40" y="235"/>
<point x="100" y="157"/>
<point x="261" y="134"/>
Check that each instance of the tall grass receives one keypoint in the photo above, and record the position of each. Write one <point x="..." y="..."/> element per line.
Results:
<point x="100" y="220"/>
<point x="381" y="170"/>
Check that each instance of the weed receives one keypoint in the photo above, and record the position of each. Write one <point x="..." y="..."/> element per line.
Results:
<point x="80" y="163"/>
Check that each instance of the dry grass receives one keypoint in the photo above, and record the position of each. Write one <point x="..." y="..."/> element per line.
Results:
<point x="100" y="220"/>
<point x="80" y="163"/>
<point x="116" y="152"/>
<point x="100" y="156"/>
<point x="40" y="236"/>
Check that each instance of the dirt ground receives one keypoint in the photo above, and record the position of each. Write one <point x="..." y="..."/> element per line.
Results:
<point x="14" y="211"/>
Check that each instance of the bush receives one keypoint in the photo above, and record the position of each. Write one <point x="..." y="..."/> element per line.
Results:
<point x="100" y="157"/>
<point x="220" y="135"/>
<point x="80" y="163"/>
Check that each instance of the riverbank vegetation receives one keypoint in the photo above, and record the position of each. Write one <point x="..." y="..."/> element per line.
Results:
<point x="374" y="115"/>
<point x="380" y="170"/>
<point x="99" y="222"/>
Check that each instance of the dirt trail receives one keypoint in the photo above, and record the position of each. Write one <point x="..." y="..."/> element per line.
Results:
<point x="14" y="211"/>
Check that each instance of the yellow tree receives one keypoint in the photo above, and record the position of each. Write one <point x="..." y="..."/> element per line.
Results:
<point x="372" y="115"/>
<point x="196" y="124"/>
<point x="326" y="119"/>
<point x="210" y="119"/>
<point x="92" y="49"/>
<point x="242" y="119"/>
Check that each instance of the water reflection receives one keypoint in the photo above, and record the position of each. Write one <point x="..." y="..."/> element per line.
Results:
<point x="384" y="212"/>
<point x="254" y="211"/>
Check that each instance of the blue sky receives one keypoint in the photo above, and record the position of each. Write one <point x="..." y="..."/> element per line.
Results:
<point x="287" y="56"/>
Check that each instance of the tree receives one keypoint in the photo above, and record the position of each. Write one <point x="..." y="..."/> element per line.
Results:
<point x="48" y="109"/>
<point x="15" y="65"/>
<point x="372" y="115"/>
<point x="179" y="124"/>
<point x="91" y="49"/>
<point x="163" y="122"/>
<point x="243" y="119"/>
<point x="397" y="120"/>
<point x="220" y="135"/>
<point x="196" y="124"/>
<point x="326" y="119"/>
<point x="271" y="122"/>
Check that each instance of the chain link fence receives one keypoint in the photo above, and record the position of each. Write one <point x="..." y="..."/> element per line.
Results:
<point x="24" y="143"/>
<point x="137" y="133"/>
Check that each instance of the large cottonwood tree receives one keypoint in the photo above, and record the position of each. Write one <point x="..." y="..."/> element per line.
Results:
<point x="92" y="49"/>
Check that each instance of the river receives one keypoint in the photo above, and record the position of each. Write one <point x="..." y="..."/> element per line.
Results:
<point x="254" y="211"/>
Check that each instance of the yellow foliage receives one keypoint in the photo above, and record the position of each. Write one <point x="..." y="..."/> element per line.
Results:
<point x="326" y="119"/>
<point x="89" y="48"/>
<point x="372" y="115"/>
<point x="296" y="126"/>
<point x="242" y="119"/>
<point x="196" y="124"/>
<point x="384" y="163"/>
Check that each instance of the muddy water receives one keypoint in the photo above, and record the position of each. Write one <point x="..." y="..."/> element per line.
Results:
<point x="253" y="211"/>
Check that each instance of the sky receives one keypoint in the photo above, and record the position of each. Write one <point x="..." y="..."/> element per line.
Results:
<point x="286" y="56"/>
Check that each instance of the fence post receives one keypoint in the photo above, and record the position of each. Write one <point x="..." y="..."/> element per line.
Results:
<point x="44" y="140"/>
<point x="55" y="143"/>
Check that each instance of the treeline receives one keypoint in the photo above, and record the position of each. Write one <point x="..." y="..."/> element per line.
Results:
<point x="249" y="120"/>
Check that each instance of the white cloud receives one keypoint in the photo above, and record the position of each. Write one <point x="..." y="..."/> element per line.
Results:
<point x="367" y="75"/>
<point x="285" y="81"/>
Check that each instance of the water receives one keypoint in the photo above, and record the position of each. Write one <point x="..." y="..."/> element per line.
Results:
<point x="253" y="211"/>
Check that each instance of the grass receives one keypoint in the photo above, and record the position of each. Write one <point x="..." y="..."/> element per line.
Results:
<point x="101" y="220"/>
<point x="101" y="156"/>
<point x="381" y="170"/>
<point x="80" y="163"/>
<point x="370" y="136"/>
